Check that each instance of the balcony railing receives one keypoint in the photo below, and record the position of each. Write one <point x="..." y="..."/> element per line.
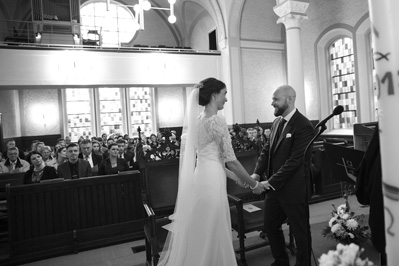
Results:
<point x="57" y="34"/>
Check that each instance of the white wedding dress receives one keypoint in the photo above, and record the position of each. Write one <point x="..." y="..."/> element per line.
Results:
<point x="204" y="237"/>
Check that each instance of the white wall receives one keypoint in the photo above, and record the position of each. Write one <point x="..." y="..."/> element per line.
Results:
<point x="20" y="67"/>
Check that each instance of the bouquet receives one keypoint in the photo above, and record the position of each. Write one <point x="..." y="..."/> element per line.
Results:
<point x="346" y="227"/>
<point x="345" y="255"/>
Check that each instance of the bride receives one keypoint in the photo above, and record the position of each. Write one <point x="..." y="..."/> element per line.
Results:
<point x="200" y="232"/>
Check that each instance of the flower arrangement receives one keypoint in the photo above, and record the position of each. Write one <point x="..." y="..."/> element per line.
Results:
<point x="346" y="227"/>
<point x="345" y="255"/>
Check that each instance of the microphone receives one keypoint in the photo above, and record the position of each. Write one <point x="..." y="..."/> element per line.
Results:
<point x="337" y="111"/>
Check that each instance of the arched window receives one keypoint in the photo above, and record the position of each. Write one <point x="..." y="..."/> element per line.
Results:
<point x="343" y="82"/>
<point x="115" y="26"/>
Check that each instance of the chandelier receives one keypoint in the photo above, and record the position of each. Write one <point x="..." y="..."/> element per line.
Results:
<point x="145" y="5"/>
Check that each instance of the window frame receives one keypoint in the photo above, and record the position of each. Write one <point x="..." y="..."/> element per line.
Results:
<point x="94" y="93"/>
<point x="118" y="4"/>
<point x="363" y="71"/>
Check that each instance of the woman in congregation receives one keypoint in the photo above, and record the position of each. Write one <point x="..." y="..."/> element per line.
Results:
<point x="96" y="147"/>
<point x="200" y="232"/>
<point x="39" y="170"/>
<point x="112" y="164"/>
<point x="46" y="155"/>
<point x="60" y="157"/>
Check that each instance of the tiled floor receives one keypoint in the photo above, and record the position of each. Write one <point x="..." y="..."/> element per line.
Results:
<point x="122" y="254"/>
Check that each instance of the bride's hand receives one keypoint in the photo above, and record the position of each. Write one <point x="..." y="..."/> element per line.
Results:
<point x="235" y="178"/>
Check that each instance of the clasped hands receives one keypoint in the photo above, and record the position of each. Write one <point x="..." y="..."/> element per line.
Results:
<point x="262" y="187"/>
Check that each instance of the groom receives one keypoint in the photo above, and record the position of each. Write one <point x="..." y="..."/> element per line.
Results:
<point x="281" y="160"/>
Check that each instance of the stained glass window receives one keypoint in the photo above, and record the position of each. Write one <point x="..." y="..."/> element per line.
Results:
<point x="91" y="112"/>
<point x="343" y="82"/>
<point x="110" y="110"/>
<point x="141" y="109"/>
<point x="79" y="113"/>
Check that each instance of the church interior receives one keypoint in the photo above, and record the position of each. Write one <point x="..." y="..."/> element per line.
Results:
<point x="80" y="69"/>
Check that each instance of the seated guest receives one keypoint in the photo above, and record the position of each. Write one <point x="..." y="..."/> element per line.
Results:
<point x="39" y="146"/>
<point x="104" y="138"/>
<point x="14" y="164"/>
<point x="74" y="168"/>
<point x="112" y="164"/>
<point x="67" y="140"/>
<point x="161" y="138"/>
<point x="123" y="153"/>
<point x="46" y="155"/>
<point x="81" y="138"/>
<point x="35" y="147"/>
<point x="61" y="141"/>
<point x="60" y="157"/>
<point x="153" y="141"/>
<point x="11" y="144"/>
<point x="56" y="147"/>
<point x="39" y="171"/>
<point x="86" y="153"/>
<point x="102" y="147"/>
<point x="106" y="152"/>
<point x="173" y="139"/>
<point x="96" y="147"/>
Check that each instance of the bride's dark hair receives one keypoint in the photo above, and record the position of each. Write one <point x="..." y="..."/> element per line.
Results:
<point x="207" y="87"/>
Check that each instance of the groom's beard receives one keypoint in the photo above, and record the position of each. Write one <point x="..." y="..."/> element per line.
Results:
<point x="280" y="110"/>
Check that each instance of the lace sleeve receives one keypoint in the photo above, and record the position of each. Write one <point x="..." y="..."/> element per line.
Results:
<point x="222" y="137"/>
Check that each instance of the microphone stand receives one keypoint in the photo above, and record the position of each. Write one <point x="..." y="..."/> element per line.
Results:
<point x="306" y="161"/>
<point x="306" y="155"/>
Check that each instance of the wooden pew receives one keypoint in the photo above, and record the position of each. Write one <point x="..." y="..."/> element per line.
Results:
<point x="50" y="219"/>
<point x="12" y="179"/>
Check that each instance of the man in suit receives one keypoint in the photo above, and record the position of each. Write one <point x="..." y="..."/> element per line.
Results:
<point x="86" y="148"/>
<point x="287" y="183"/>
<point x="14" y="164"/>
<point x="74" y="168"/>
<point x="122" y="153"/>
<point x="11" y="144"/>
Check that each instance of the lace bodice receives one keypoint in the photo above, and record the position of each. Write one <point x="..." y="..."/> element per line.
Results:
<point x="214" y="140"/>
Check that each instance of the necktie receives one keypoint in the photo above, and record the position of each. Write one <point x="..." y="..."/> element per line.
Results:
<point x="12" y="166"/>
<point x="279" y="129"/>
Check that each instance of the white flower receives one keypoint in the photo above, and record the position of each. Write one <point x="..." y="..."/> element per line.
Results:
<point x="349" y="254"/>
<point x="352" y="224"/>
<point x="345" y="216"/>
<point x="351" y="235"/>
<point x="337" y="229"/>
<point x="345" y="255"/>
<point x="329" y="259"/>
<point x="341" y="209"/>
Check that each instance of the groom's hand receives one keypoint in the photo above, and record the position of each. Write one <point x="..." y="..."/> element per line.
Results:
<point x="267" y="185"/>
<point x="259" y="189"/>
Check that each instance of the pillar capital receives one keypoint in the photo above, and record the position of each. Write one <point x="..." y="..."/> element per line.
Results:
<point x="291" y="12"/>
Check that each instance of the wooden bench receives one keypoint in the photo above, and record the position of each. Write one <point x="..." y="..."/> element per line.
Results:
<point x="51" y="219"/>
<point x="12" y="179"/>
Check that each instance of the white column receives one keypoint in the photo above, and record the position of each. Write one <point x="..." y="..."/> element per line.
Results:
<point x="384" y="26"/>
<point x="291" y="13"/>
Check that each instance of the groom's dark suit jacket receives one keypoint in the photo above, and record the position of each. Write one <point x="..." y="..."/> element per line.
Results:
<point x="285" y="171"/>
<point x="283" y="163"/>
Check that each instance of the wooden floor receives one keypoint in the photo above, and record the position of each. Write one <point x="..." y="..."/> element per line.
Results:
<point x="122" y="254"/>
